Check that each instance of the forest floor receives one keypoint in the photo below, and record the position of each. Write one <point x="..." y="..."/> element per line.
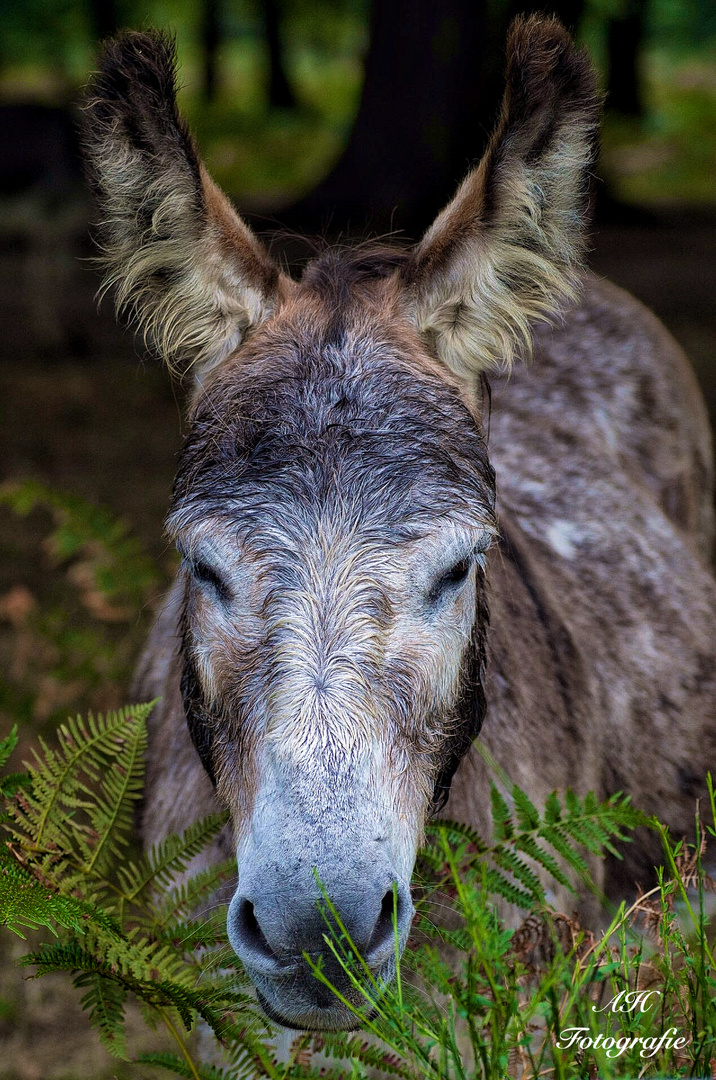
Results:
<point x="84" y="411"/>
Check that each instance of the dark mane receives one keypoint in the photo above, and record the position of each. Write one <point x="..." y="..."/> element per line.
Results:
<point x="336" y="272"/>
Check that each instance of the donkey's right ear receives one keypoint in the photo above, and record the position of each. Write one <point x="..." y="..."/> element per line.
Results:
<point x="506" y="251"/>
<point x="186" y="269"/>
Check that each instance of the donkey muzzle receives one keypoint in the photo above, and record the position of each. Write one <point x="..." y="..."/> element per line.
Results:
<point x="283" y="925"/>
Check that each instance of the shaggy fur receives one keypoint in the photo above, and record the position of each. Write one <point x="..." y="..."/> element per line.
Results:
<point x="507" y="249"/>
<point x="326" y="647"/>
<point x="185" y="268"/>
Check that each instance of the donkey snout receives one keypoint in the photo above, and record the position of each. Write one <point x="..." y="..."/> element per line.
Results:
<point x="270" y="933"/>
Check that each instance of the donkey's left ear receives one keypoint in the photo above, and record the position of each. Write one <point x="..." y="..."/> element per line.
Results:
<point x="186" y="268"/>
<point x="506" y="250"/>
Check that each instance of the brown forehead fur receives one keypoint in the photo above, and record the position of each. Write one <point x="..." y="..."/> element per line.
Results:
<point x="359" y="290"/>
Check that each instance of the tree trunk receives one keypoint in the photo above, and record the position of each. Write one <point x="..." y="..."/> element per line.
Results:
<point x="210" y="41"/>
<point x="417" y="126"/>
<point x="280" y="94"/>
<point x="105" y="18"/>
<point x="624" y="38"/>
<point x="434" y="79"/>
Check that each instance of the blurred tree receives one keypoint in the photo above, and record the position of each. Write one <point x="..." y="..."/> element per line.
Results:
<point x="280" y="94"/>
<point x="625" y="35"/>
<point x="420" y="97"/>
<point x="210" y="40"/>
<point x="433" y="82"/>
<point x="105" y="18"/>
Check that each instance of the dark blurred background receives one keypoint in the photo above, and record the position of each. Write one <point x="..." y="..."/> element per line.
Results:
<point x="326" y="116"/>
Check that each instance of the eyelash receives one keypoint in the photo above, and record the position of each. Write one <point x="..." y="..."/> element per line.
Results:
<point x="204" y="574"/>
<point x="453" y="577"/>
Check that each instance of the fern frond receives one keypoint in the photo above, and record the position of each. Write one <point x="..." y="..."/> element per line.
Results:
<point x="178" y="1067"/>
<point x="502" y="825"/>
<point x="10" y="783"/>
<point x="105" y="1000"/>
<point x="507" y="859"/>
<point x="27" y="904"/>
<point x="499" y="885"/>
<point x="523" y="831"/>
<point x="247" y="1051"/>
<point x="150" y="985"/>
<point x="59" y="779"/>
<point x="559" y="839"/>
<point x="112" y="815"/>
<point x="194" y="934"/>
<point x="528" y="816"/>
<point x="171" y="857"/>
<point x="526" y="843"/>
<point x="456" y="832"/>
<point x="7" y="745"/>
<point x="185" y="898"/>
<point x="357" y="1048"/>
<point x="124" y="573"/>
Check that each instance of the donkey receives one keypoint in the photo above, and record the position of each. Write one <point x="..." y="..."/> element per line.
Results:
<point x="323" y="660"/>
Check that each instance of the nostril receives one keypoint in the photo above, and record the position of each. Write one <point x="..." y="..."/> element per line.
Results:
<point x="249" y="931"/>
<point x="391" y="917"/>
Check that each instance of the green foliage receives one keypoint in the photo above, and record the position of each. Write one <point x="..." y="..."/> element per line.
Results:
<point x="79" y="645"/>
<point x="25" y="903"/>
<point x="269" y="157"/>
<point x="127" y="927"/>
<point x="80" y="798"/>
<point x="122" y="573"/>
<point x="10" y="782"/>
<point x="121" y="925"/>
<point x="544" y="1000"/>
<point x="512" y="862"/>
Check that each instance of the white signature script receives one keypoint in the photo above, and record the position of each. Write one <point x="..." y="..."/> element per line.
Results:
<point x="626" y="1001"/>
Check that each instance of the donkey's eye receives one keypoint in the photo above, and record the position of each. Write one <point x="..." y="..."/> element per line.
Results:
<point x="453" y="577"/>
<point x="206" y="575"/>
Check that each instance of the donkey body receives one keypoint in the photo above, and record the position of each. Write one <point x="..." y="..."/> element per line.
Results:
<point x="601" y="672"/>
<point x="323" y="660"/>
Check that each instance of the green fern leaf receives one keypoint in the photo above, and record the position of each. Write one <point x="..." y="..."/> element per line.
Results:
<point x="27" y="904"/>
<point x="499" y="885"/>
<point x="171" y="857"/>
<point x="526" y="843"/>
<point x="45" y="812"/>
<point x="122" y="570"/>
<point x="179" y="1067"/>
<point x="10" y="783"/>
<point x="528" y="817"/>
<point x="502" y="827"/>
<point x="552" y="809"/>
<point x="196" y="933"/>
<point x="112" y="816"/>
<point x="560" y="841"/>
<point x="105" y="1000"/>
<point x="150" y="985"/>
<point x="507" y="859"/>
<point x="247" y="1050"/>
<point x="455" y="833"/>
<point x="13" y="782"/>
<point x="7" y="745"/>
<point x="355" y="1048"/>
<point x="186" y="897"/>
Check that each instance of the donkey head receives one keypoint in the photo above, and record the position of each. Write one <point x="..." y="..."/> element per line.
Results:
<point x="334" y="502"/>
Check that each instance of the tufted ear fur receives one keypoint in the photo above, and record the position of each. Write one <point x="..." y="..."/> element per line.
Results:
<point x="186" y="268"/>
<point x="506" y="250"/>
